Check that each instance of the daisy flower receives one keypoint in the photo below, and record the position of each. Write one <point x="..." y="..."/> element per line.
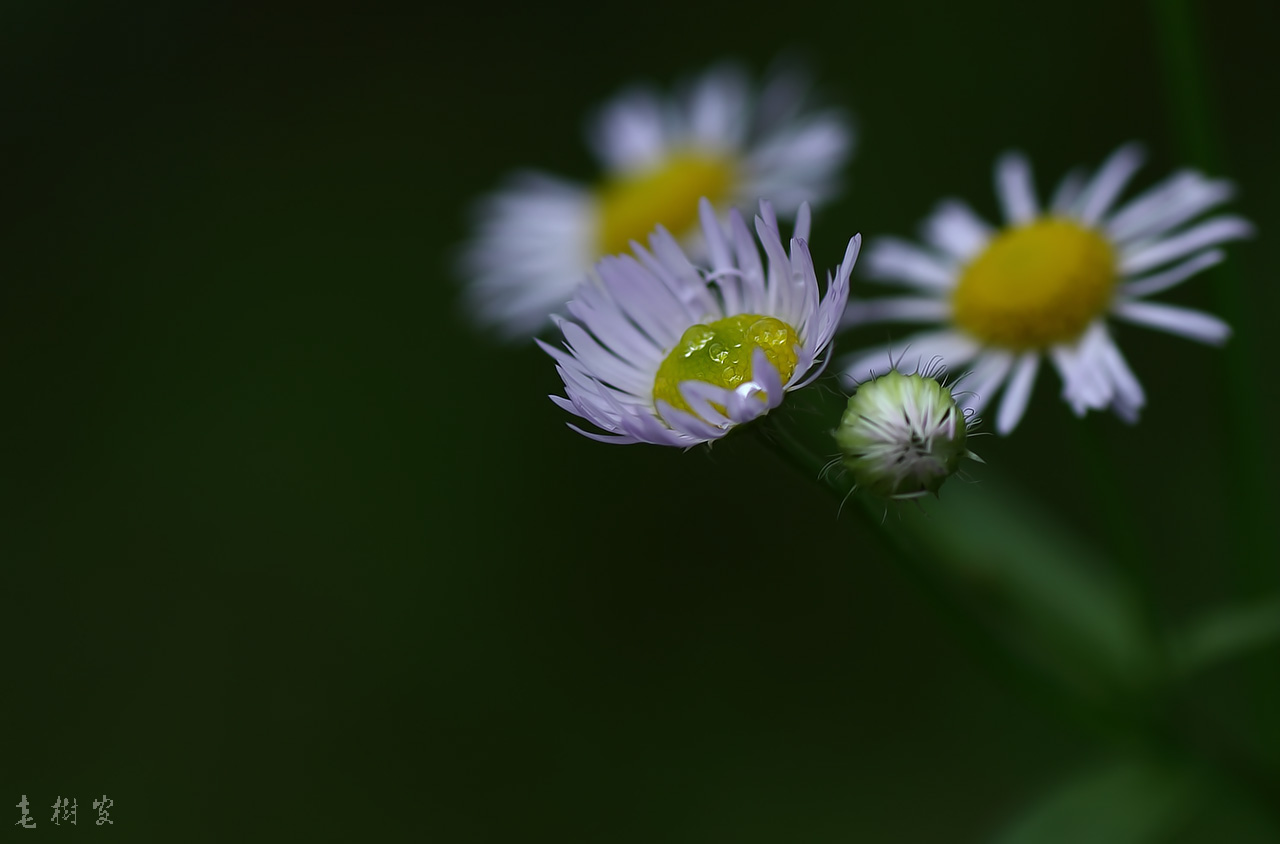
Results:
<point x="660" y="352"/>
<point x="720" y="138"/>
<point x="1049" y="282"/>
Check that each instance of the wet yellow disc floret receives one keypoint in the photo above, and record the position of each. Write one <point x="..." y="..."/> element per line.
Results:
<point x="1036" y="285"/>
<point x="630" y="206"/>
<point x="720" y="353"/>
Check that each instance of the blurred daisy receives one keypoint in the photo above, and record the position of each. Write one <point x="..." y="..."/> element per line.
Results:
<point x="1048" y="282"/>
<point x="539" y="235"/>
<point x="663" y="353"/>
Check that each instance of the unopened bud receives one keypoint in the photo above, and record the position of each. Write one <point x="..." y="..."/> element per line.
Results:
<point x="902" y="435"/>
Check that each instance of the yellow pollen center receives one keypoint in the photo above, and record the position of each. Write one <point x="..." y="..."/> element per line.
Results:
<point x="720" y="354"/>
<point x="631" y="205"/>
<point x="1036" y="285"/>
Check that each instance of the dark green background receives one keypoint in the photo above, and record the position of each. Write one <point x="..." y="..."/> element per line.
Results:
<point x="292" y="552"/>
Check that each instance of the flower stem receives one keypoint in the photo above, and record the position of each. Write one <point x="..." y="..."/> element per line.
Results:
<point x="996" y="655"/>
<point x="1157" y="728"/>
<point x="1252" y="543"/>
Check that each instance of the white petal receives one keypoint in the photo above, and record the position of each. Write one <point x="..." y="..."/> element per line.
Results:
<point x="1208" y="233"/>
<point x="1066" y="195"/>
<point x="954" y="228"/>
<point x="628" y="133"/>
<point x="799" y="163"/>
<point x="699" y="395"/>
<point x="897" y="309"/>
<point x="801" y="302"/>
<point x="1155" y="283"/>
<point x="1169" y="204"/>
<point x="1085" y="385"/>
<point x="767" y="376"/>
<point x="1196" y="325"/>
<point x="718" y="108"/>
<point x="1014" y="189"/>
<point x="534" y="243"/>
<point x="833" y="306"/>
<point x="717" y="244"/>
<point x="1018" y="392"/>
<point x="1129" y="397"/>
<point x="889" y="258"/>
<point x="952" y="347"/>
<point x="1111" y="178"/>
<point x="803" y="222"/>
<point x="981" y="383"/>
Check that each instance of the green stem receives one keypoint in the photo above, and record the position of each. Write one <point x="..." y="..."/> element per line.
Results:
<point x="1251" y="542"/>
<point x="980" y="640"/>
<point x="1160" y="731"/>
<point x="1252" y="545"/>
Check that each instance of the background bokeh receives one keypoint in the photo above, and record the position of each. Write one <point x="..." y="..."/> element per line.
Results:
<point x="292" y="551"/>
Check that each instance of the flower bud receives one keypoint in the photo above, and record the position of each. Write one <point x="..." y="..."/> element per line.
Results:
<point x="902" y="435"/>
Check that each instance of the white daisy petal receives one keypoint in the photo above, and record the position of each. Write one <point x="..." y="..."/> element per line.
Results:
<point x="531" y="250"/>
<point x="1181" y="197"/>
<point x="799" y="164"/>
<point x="980" y="384"/>
<point x="629" y="133"/>
<point x="1185" y="322"/>
<point x="766" y="376"/>
<point x="1157" y="282"/>
<point x="750" y="275"/>
<point x="954" y="228"/>
<point x="897" y="309"/>
<point x="1129" y="395"/>
<point x="891" y="259"/>
<point x="821" y="330"/>
<point x="1111" y="178"/>
<point x="719" y="107"/>
<point x="804" y="222"/>
<point x="1209" y="233"/>
<point x="913" y="352"/>
<point x="1047" y="285"/>
<point x="1018" y="392"/>
<point x="1067" y="195"/>
<point x="1014" y="189"/>
<point x="537" y="238"/>
<point x="802" y="286"/>
<point x="717" y="244"/>
<point x="1085" y="385"/>
<point x="700" y="395"/>
<point x="686" y="424"/>
<point x="646" y="299"/>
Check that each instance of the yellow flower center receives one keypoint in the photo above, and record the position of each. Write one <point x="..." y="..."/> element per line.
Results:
<point x="720" y="354"/>
<point x="1036" y="285"/>
<point x="631" y="205"/>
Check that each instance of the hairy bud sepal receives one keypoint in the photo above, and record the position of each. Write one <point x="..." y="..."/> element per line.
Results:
<point x="902" y="436"/>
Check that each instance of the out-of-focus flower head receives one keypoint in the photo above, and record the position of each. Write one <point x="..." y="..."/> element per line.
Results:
<point x="1048" y="283"/>
<point x="719" y="137"/>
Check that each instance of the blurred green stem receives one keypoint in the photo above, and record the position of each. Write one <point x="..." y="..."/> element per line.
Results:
<point x="979" y="639"/>
<point x="1251" y="542"/>
<point x="1159" y="732"/>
